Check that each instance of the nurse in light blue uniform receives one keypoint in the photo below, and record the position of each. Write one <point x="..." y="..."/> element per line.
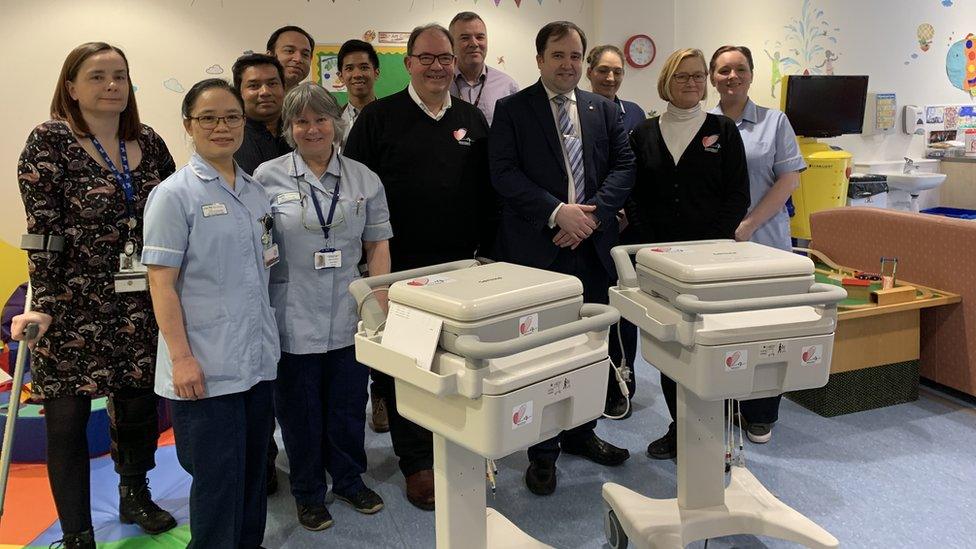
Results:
<point x="208" y="249"/>
<point x="772" y="154"/>
<point x="327" y="211"/>
<point x="774" y="164"/>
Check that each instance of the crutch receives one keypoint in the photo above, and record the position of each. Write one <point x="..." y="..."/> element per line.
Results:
<point x="13" y="406"/>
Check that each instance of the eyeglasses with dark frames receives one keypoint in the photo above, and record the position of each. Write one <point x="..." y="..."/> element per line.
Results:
<point x="210" y="122"/>
<point x="427" y="59"/>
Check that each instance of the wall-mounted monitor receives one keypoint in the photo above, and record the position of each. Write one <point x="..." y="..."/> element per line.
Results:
<point x="825" y="106"/>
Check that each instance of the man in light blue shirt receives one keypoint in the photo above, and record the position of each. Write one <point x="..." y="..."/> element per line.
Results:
<point x="474" y="81"/>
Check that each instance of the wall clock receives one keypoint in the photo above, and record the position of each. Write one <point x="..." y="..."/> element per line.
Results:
<point x="640" y="51"/>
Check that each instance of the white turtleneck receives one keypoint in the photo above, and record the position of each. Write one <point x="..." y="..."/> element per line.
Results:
<point x="679" y="126"/>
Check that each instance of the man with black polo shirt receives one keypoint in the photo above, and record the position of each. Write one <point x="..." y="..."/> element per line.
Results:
<point x="292" y="46"/>
<point x="432" y="155"/>
<point x="260" y="79"/>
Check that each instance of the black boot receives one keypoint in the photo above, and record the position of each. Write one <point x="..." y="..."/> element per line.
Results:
<point x="81" y="540"/>
<point x="137" y="507"/>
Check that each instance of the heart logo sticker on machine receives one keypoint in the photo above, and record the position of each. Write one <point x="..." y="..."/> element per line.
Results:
<point x="812" y="355"/>
<point x="522" y="415"/>
<point x="736" y="360"/>
<point x="528" y="324"/>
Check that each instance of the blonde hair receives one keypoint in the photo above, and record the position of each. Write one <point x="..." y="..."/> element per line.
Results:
<point x="671" y="67"/>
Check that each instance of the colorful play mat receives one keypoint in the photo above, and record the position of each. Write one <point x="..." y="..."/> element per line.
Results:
<point x="30" y="520"/>
<point x="29" y="517"/>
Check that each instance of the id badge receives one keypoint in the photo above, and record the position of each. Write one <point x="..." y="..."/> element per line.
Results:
<point x="132" y="275"/>
<point x="327" y="258"/>
<point x="271" y="256"/>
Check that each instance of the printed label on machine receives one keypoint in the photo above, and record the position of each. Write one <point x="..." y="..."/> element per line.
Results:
<point x="528" y="324"/>
<point x="812" y="355"/>
<point x="556" y="387"/>
<point x="432" y="280"/>
<point x="522" y="415"/>
<point x="736" y="360"/>
<point x="770" y="350"/>
<point x="669" y="250"/>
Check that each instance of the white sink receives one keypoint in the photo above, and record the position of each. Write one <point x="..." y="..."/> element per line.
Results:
<point x="915" y="183"/>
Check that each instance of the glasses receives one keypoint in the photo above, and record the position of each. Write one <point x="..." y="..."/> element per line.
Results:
<point x="209" y="122"/>
<point x="427" y="59"/>
<point x="315" y="226"/>
<point x="683" y="77"/>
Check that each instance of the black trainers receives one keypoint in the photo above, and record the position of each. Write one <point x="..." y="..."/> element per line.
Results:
<point x="314" y="517"/>
<point x="760" y="433"/>
<point x="365" y="501"/>
<point x="665" y="447"/>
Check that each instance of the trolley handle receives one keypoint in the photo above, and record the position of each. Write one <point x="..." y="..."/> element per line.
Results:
<point x="820" y="294"/>
<point x="595" y="317"/>
<point x="626" y="273"/>
<point x="370" y="313"/>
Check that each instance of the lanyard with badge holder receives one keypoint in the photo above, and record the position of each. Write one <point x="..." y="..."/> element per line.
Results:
<point x="481" y="88"/>
<point x="132" y="275"/>
<point x="328" y="257"/>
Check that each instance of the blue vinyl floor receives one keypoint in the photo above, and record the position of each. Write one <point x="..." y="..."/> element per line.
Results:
<point x="902" y="476"/>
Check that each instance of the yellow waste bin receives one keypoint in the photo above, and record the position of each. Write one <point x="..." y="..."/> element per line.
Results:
<point x="823" y="185"/>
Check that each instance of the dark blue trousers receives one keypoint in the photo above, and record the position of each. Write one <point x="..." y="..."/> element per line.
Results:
<point x="223" y="443"/>
<point x="761" y="410"/>
<point x="584" y="264"/>
<point x="758" y="410"/>
<point x="320" y="402"/>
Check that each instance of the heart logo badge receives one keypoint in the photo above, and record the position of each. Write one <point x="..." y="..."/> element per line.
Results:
<point x="710" y="140"/>
<point x="461" y="132"/>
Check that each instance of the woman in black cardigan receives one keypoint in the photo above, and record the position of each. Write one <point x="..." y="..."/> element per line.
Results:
<point x="692" y="182"/>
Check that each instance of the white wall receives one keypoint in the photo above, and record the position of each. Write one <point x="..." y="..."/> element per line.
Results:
<point x="875" y="37"/>
<point x="179" y="39"/>
<point x="617" y="20"/>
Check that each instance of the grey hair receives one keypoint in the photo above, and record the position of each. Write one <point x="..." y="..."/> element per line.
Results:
<point x="313" y="96"/>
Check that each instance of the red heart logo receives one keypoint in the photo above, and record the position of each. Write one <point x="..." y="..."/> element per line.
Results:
<point x="710" y="140"/>
<point x="418" y="282"/>
<point x="461" y="132"/>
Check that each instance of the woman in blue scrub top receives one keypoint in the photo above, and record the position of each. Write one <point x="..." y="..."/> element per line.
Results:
<point x="605" y="71"/>
<point x="327" y="211"/>
<point x="209" y="249"/>
<point x="774" y="164"/>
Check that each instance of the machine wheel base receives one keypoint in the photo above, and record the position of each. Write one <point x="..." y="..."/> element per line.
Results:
<point x="748" y="509"/>
<point x="616" y="537"/>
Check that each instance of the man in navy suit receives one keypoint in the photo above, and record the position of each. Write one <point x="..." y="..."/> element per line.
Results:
<point x="563" y="168"/>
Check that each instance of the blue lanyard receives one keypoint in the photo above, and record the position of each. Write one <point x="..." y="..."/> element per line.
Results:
<point x="124" y="179"/>
<point x="324" y="223"/>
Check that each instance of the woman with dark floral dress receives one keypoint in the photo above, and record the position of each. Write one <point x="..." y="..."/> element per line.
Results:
<point x="84" y="178"/>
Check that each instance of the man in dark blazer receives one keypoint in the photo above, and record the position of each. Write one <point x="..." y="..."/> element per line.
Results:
<point x="563" y="168"/>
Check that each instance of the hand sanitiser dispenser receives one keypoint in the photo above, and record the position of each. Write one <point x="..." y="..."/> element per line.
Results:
<point x="724" y="320"/>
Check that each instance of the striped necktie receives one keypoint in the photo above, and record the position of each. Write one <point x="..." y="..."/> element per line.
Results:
<point x="573" y="146"/>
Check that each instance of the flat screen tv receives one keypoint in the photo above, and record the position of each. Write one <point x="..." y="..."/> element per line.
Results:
<point x="826" y="106"/>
